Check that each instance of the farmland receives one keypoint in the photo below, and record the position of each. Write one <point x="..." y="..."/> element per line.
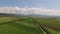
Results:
<point x="18" y="25"/>
<point x="28" y="25"/>
<point x="52" y="26"/>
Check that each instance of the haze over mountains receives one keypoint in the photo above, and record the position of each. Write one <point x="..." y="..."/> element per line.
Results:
<point x="28" y="11"/>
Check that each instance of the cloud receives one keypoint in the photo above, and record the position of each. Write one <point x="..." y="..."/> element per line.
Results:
<point x="26" y="11"/>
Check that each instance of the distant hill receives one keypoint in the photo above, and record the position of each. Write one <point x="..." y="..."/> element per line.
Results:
<point x="6" y="14"/>
<point x="34" y="15"/>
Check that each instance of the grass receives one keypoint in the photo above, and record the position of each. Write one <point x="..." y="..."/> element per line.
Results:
<point x="7" y="19"/>
<point x="51" y="31"/>
<point x="22" y="26"/>
<point x="53" y="25"/>
<point x="28" y="25"/>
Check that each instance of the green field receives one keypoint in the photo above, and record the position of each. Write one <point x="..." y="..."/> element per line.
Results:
<point x="51" y="31"/>
<point x="53" y="25"/>
<point x="18" y="25"/>
<point x="28" y="25"/>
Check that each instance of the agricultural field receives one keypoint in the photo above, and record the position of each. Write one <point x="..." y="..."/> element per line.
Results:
<point x="18" y="25"/>
<point x="52" y="26"/>
<point x="52" y="31"/>
<point x="28" y="25"/>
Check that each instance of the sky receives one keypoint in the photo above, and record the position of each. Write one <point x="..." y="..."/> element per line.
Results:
<point x="46" y="7"/>
<point x="50" y="4"/>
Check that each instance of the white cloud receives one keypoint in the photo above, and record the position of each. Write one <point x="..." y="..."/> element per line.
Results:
<point x="17" y="10"/>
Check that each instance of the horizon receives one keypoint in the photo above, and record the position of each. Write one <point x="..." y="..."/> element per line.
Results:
<point x="44" y="7"/>
<point x="27" y="10"/>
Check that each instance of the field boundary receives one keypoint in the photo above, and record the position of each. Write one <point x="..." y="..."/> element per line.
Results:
<point x="42" y="29"/>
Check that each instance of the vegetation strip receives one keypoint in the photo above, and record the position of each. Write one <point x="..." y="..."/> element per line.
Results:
<point x="40" y="27"/>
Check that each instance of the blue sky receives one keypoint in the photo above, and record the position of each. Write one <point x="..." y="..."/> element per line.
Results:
<point x="46" y="7"/>
<point x="50" y="4"/>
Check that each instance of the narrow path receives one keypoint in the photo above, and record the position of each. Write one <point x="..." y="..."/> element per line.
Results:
<point x="42" y="29"/>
